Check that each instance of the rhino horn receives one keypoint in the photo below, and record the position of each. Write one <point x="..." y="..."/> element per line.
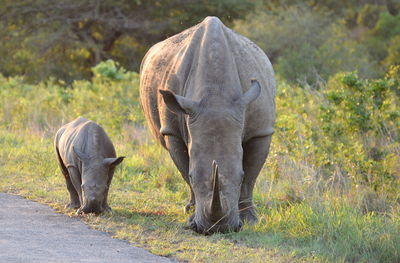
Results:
<point x="215" y="207"/>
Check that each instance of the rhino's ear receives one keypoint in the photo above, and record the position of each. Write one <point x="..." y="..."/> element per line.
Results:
<point x="113" y="161"/>
<point x="179" y="104"/>
<point x="252" y="93"/>
<point x="81" y="155"/>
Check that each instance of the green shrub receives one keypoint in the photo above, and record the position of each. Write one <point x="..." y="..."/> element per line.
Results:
<point x="110" y="98"/>
<point x="342" y="137"/>
<point x="306" y="43"/>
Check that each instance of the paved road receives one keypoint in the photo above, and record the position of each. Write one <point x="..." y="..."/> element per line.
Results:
<point x="32" y="232"/>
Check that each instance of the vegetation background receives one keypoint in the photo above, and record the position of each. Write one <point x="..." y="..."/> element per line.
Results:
<point x="329" y="191"/>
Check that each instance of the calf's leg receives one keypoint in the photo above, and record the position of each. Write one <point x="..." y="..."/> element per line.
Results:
<point x="75" y="183"/>
<point x="73" y="195"/>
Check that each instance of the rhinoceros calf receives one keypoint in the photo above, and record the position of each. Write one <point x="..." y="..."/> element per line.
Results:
<point x="208" y="95"/>
<point x="87" y="159"/>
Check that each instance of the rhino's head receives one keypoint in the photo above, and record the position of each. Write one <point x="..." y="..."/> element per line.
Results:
<point x="96" y="179"/>
<point x="215" y="129"/>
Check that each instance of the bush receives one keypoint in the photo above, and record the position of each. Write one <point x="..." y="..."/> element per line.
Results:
<point x="343" y="137"/>
<point x="110" y="98"/>
<point x="289" y="36"/>
<point x="306" y="44"/>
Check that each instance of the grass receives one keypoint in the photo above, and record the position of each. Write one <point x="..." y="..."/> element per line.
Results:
<point x="148" y="196"/>
<point x="321" y="197"/>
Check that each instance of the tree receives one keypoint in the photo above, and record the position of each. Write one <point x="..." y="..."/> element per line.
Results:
<point x="312" y="39"/>
<point x="85" y="32"/>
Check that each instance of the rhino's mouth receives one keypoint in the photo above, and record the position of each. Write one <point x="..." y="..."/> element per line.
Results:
<point x="212" y="217"/>
<point x="90" y="209"/>
<point x="211" y="228"/>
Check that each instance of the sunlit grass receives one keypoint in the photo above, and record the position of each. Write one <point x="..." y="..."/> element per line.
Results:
<point x="322" y="196"/>
<point x="148" y="212"/>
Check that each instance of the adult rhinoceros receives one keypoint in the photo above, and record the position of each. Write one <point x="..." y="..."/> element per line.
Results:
<point x="208" y="94"/>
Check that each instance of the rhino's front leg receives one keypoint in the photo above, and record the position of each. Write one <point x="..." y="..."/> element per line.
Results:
<point x="179" y="154"/>
<point x="74" y="197"/>
<point x="255" y="151"/>
<point x="76" y="180"/>
<point x="105" y="206"/>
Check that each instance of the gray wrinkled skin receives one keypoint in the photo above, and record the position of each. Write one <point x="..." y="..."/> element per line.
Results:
<point x="87" y="159"/>
<point x="208" y="95"/>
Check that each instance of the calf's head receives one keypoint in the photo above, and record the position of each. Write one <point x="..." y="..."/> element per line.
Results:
<point x="215" y="127"/>
<point x="97" y="173"/>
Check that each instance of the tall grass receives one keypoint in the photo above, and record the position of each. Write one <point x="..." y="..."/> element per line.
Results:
<point x="328" y="192"/>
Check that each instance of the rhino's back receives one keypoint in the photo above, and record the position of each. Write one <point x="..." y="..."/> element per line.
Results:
<point x="87" y="137"/>
<point x="188" y="60"/>
<point x="158" y="71"/>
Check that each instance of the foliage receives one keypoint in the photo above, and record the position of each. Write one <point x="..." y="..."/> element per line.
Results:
<point x="347" y="133"/>
<point x="109" y="99"/>
<point x="306" y="40"/>
<point x="309" y="41"/>
<point x="393" y="56"/>
<point x="328" y="192"/>
<point x="66" y="38"/>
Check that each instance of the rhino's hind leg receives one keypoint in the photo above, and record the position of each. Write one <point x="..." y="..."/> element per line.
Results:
<point x="178" y="151"/>
<point x="255" y="151"/>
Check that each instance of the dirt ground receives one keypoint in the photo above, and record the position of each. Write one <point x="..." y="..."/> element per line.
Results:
<point x="32" y="232"/>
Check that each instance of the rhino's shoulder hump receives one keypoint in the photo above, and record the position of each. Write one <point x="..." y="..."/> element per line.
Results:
<point x="78" y="122"/>
<point x="80" y="118"/>
<point x="92" y="129"/>
<point x="212" y="20"/>
<point x="168" y="54"/>
<point x="91" y="124"/>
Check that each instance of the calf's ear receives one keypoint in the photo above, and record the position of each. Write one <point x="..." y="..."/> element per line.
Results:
<point x="179" y="104"/>
<point x="113" y="161"/>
